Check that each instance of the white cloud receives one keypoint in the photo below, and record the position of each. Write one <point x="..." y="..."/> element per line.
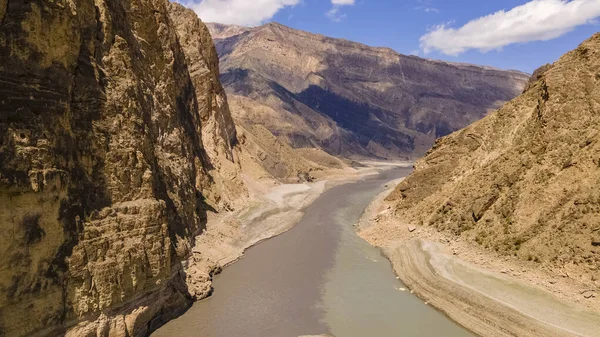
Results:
<point x="427" y="6"/>
<point x="238" y="12"/>
<point x="537" y="20"/>
<point x="334" y="14"/>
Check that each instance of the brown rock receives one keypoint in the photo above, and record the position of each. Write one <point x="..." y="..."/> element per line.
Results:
<point x="115" y="141"/>
<point x="3" y="4"/>
<point x="537" y="75"/>
<point x="481" y="205"/>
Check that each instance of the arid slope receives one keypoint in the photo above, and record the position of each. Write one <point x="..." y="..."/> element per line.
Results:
<point x="523" y="182"/>
<point x="348" y="98"/>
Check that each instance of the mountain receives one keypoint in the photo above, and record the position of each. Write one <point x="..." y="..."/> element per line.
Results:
<point x="116" y="140"/>
<point x="350" y="99"/>
<point x="523" y="181"/>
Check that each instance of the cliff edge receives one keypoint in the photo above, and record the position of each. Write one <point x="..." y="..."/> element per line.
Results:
<point x="116" y="140"/>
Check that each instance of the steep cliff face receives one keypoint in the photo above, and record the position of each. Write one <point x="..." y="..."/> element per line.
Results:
<point x="349" y="98"/>
<point x="116" y="139"/>
<point x="523" y="181"/>
<point x="219" y="135"/>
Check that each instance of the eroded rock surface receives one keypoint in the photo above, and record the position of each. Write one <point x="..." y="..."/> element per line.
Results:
<point x="116" y="140"/>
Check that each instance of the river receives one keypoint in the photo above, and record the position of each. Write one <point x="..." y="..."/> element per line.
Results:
<point x="317" y="278"/>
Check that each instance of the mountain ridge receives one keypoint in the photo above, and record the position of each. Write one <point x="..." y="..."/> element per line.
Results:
<point x="216" y="30"/>
<point x="403" y="102"/>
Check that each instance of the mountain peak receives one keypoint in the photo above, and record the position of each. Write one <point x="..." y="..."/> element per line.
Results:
<point x="223" y="31"/>
<point x="285" y="33"/>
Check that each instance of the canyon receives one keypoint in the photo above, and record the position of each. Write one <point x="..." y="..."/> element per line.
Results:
<point x="318" y="277"/>
<point x="142" y="151"/>
<point x="118" y="148"/>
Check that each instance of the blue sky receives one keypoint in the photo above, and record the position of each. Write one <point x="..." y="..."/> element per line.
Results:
<point x="508" y="34"/>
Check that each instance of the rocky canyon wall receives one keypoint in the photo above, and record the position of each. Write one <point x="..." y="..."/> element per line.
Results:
<point x="522" y="182"/>
<point x="116" y="140"/>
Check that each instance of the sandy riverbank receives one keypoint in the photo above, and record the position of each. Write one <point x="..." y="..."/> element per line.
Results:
<point x="488" y="296"/>
<point x="271" y="211"/>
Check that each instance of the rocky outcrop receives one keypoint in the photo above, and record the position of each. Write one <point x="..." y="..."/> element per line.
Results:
<point x="116" y="140"/>
<point x="522" y="182"/>
<point x="222" y="31"/>
<point x="348" y="98"/>
<point x="218" y="132"/>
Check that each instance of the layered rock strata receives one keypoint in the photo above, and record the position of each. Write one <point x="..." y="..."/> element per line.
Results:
<point x="116" y="140"/>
